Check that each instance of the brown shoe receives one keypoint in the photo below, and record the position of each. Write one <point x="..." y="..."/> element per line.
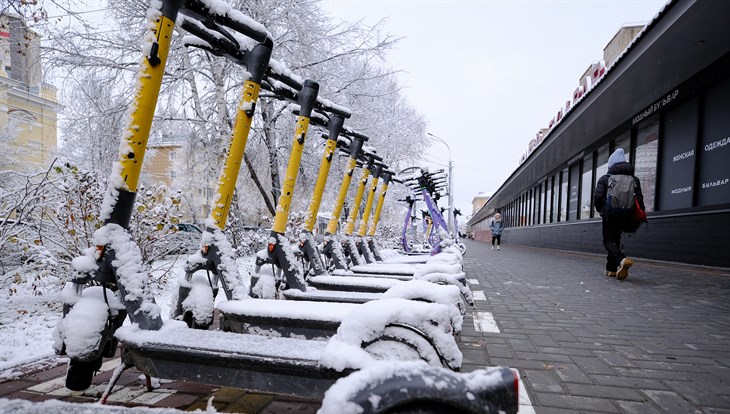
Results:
<point x="610" y="274"/>
<point x="623" y="268"/>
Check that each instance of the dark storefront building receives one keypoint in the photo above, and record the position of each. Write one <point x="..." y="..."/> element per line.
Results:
<point x="666" y="101"/>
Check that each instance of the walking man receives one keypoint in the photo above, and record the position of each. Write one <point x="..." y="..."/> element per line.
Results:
<point x="616" y="195"/>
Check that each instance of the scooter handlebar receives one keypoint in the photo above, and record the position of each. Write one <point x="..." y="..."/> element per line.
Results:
<point x="229" y="17"/>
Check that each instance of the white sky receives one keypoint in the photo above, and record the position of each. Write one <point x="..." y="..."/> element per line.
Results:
<point x="487" y="75"/>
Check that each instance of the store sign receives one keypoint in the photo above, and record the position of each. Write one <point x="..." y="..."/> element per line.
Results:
<point x="576" y="158"/>
<point x="716" y="183"/>
<point x="683" y="156"/>
<point x="655" y="107"/>
<point x="717" y="144"/>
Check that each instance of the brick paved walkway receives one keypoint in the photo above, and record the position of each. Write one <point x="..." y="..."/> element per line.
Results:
<point x="658" y="342"/>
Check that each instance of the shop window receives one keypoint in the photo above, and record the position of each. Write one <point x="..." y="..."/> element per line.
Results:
<point x="602" y="161"/>
<point x="624" y="141"/>
<point x="533" y="200"/>
<point x="713" y="186"/>
<point x="573" y="181"/>
<point x="548" y="200"/>
<point x="556" y="199"/>
<point x="564" y="195"/>
<point x="676" y="171"/>
<point x="647" y="143"/>
<point x="586" y="188"/>
<point x="537" y="194"/>
<point x="525" y="206"/>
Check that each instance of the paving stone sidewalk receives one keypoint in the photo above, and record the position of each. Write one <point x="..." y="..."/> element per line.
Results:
<point x="657" y="342"/>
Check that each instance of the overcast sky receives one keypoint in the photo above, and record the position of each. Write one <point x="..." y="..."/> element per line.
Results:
<point x="487" y="75"/>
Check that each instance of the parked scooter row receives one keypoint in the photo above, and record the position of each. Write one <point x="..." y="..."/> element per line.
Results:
<point x="272" y="351"/>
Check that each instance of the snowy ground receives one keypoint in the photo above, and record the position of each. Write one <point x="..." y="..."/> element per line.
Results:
<point x="31" y="309"/>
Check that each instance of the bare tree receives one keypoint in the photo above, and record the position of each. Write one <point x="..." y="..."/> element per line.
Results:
<point x="200" y="92"/>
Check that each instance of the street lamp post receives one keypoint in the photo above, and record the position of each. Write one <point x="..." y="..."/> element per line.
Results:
<point x="451" y="187"/>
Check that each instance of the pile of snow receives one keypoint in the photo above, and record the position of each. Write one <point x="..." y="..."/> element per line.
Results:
<point x="81" y="330"/>
<point x="386" y="254"/>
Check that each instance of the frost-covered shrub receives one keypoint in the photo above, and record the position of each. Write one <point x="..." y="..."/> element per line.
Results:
<point x="36" y="276"/>
<point x="74" y="214"/>
<point x="49" y="219"/>
<point x="246" y="240"/>
<point x="388" y="235"/>
<point x="156" y="216"/>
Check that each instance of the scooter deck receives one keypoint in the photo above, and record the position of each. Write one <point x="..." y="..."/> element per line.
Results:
<point x="331" y="296"/>
<point x="381" y="275"/>
<point x="352" y="283"/>
<point x="406" y="259"/>
<point x="264" y="364"/>
<point x="405" y="269"/>
<point x="397" y="269"/>
<point x="281" y="318"/>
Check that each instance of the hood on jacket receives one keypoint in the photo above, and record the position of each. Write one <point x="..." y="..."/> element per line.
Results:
<point x="621" y="168"/>
<point x="616" y="157"/>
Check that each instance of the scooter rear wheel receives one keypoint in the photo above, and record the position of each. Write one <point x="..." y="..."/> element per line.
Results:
<point x="80" y="373"/>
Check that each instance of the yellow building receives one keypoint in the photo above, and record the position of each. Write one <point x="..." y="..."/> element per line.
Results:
<point x="162" y="166"/>
<point x="160" y="163"/>
<point x="28" y="107"/>
<point x="478" y="202"/>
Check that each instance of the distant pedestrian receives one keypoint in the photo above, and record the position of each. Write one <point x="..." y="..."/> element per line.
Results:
<point x="496" y="227"/>
<point x="615" y="198"/>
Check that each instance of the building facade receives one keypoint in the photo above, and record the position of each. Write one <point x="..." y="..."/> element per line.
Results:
<point x="478" y="230"/>
<point x="666" y="101"/>
<point x="28" y="106"/>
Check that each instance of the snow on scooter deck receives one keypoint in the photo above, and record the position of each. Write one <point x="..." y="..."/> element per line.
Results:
<point x="320" y="320"/>
<point x="282" y="318"/>
<point x="390" y="329"/>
